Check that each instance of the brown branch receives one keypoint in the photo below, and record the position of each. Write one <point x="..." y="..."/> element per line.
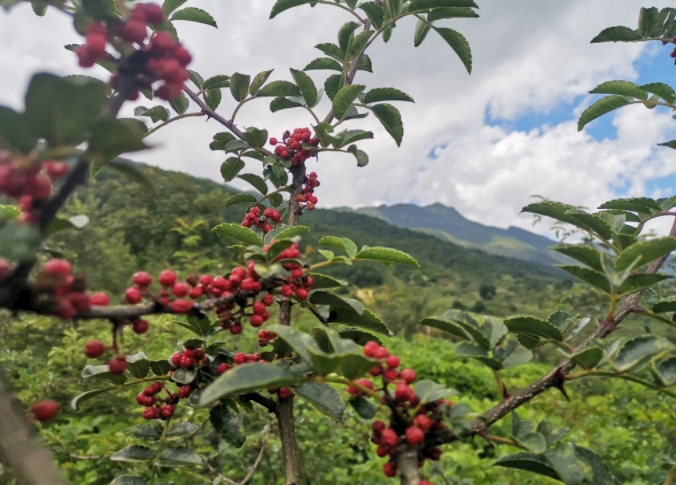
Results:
<point x="212" y="114"/>
<point x="555" y="377"/>
<point x="252" y="470"/>
<point x="407" y="465"/>
<point x="29" y="461"/>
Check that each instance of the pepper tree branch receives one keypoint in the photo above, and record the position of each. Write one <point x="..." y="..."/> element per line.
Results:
<point x="556" y="377"/>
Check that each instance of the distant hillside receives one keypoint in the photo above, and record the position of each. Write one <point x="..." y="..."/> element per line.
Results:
<point x="448" y="224"/>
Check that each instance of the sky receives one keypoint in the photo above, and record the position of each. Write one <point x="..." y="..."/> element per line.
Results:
<point x="483" y="143"/>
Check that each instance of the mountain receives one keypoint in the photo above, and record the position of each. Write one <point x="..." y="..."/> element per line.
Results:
<point x="448" y="224"/>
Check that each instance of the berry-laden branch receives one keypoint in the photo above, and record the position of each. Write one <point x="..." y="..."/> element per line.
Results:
<point x="557" y="376"/>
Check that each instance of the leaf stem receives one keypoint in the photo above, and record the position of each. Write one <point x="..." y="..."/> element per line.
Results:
<point x="171" y="120"/>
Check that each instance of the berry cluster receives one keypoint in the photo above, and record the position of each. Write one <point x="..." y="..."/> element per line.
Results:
<point x="163" y="59"/>
<point x="265" y="337"/>
<point x="156" y="407"/>
<point x="265" y="222"/>
<point x="411" y="421"/>
<point x="232" y="320"/>
<point x="307" y="197"/>
<point x="297" y="146"/>
<point x="168" y="280"/>
<point x="298" y="283"/>
<point x="24" y="181"/>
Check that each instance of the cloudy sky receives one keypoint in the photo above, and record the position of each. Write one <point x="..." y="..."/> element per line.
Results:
<point x="482" y="143"/>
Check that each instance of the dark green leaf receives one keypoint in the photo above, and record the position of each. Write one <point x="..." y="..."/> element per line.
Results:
<point x="365" y="64"/>
<point x="451" y="13"/>
<point x="458" y="43"/>
<point x="111" y="137"/>
<point x="239" y="198"/>
<point x="358" y="336"/>
<point x="279" y="104"/>
<point x="212" y="98"/>
<point x="160" y="368"/>
<point x="367" y="320"/>
<point x="145" y="431"/>
<point x="247" y="378"/>
<point x="77" y="400"/>
<point x="231" y="167"/>
<point x="19" y="242"/>
<point x="333" y="84"/>
<point x="374" y="12"/>
<point x="390" y="118"/>
<point x="283" y="5"/>
<point x="594" y="278"/>
<point x="215" y="82"/>
<point x="358" y="43"/>
<point x="170" y="5"/>
<point x="184" y="376"/>
<point x="588" y="358"/>
<point x="386" y="94"/>
<point x="429" y="391"/>
<point x="599" y="108"/>
<point x="346" y="32"/>
<point x="138" y="365"/>
<point x="255" y="137"/>
<point x="664" y="369"/>
<point x="387" y="256"/>
<point x="179" y="104"/>
<point x="364" y="408"/>
<point x="196" y="79"/>
<point x="472" y="350"/>
<point x="334" y="242"/>
<point x="665" y="305"/>
<point x="335" y="301"/>
<point x="307" y="87"/>
<point x="291" y="232"/>
<point x="634" y="204"/>
<point x="194" y="15"/>
<point x="664" y="91"/>
<point x="345" y="97"/>
<point x="638" y="350"/>
<point x="584" y="254"/>
<point x="422" y="28"/>
<point x="240" y="233"/>
<point x="228" y="424"/>
<point x="321" y="281"/>
<point x="418" y="5"/>
<point x="279" y="88"/>
<point x="14" y="132"/>
<point x="176" y="457"/>
<point x="646" y="252"/>
<point x="533" y="326"/>
<point x="221" y="140"/>
<point x="528" y="462"/>
<point x="258" y="81"/>
<point x="447" y="326"/>
<point x="182" y="430"/>
<point x="324" y="63"/>
<point x="620" y="88"/>
<point x="239" y="86"/>
<point x="597" y="471"/>
<point x="350" y="136"/>
<point x="134" y="453"/>
<point x="637" y="282"/>
<point x="360" y="155"/>
<point x="617" y="34"/>
<point x="324" y="397"/>
<point x="156" y="113"/>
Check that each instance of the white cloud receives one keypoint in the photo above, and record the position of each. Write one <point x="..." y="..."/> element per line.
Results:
<point x="528" y="57"/>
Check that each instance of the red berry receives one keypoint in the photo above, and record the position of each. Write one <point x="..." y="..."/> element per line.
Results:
<point x="80" y="301"/>
<point x="153" y="13"/>
<point x="402" y="392"/>
<point x="150" y="413"/>
<point x="378" y="426"/>
<point x="423" y="422"/>
<point x="84" y="57"/>
<point x="181" y="289"/>
<point x="140" y="326"/>
<point x="58" y="267"/>
<point x="390" y="469"/>
<point x="184" y="392"/>
<point x="285" y="393"/>
<point x="167" y="278"/>
<point x="381" y="451"/>
<point x="286" y="291"/>
<point x="376" y="370"/>
<point x="221" y="283"/>
<point x="415" y="435"/>
<point x="168" y="91"/>
<point x="258" y="308"/>
<point x="99" y="299"/>
<point x="163" y="42"/>
<point x="142" y="279"/>
<point x="181" y="306"/>
<point x="183" y="56"/>
<point x="273" y="141"/>
<point x="133" y="31"/>
<point x="392" y="362"/>
<point x="133" y="296"/>
<point x="408" y="375"/>
<point x="222" y="368"/>
<point x="187" y="362"/>
<point x="389" y="437"/>
<point x="268" y="300"/>
<point x="96" y="43"/>
<point x="94" y="349"/>
<point x="370" y="348"/>
<point x="205" y="279"/>
<point x="196" y="292"/>
<point x="45" y="410"/>
<point x="117" y="365"/>
<point x="145" y="399"/>
<point x="239" y="358"/>
<point x="256" y="320"/>
<point x="302" y="293"/>
<point x="352" y="390"/>
<point x="166" y="412"/>
<point x="391" y="375"/>
<point x="4" y="270"/>
<point x="236" y="328"/>
<point x="381" y="353"/>
<point x="176" y="359"/>
<point x="424" y="482"/>
<point x="434" y="453"/>
<point x="55" y="169"/>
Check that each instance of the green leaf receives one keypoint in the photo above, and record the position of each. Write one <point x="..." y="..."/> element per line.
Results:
<point x="333" y="84"/>
<point x="358" y="43"/>
<point x="228" y="424"/>
<point x="321" y="281"/>
<point x="620" y="88"/>
<point x="422" y="28"/>
<point x="669" y="144"/>
<point x="291" y="232"/>
<point x="597" y="472"/>
<point x="128" y="480"/>
<point x="601" y="107"/>
<point x="360" y="155"/>
<point x="324" y="63"/>
<point x="359" y="337"/>
<point x="240" y="233"/>
<point x="230" y="168"/>
<point x="170" y="5"/>
<point x="212" y="98"/>
<point x="664" y="91"/>
<point x="634" y="204"/>
<point x="160" y="368"/>
<point x="594" y="278"/>
<point x="451" y="13"/>
<point x="177" y="457"/>
<point x="387" y="256"/>
<point x="239" y="86"/>
<point x="279" y="104"/>
<point x="221" y="140"/>
<point x="586" y="255"/>
<point x="345" y="97"/>
<point x="458" y="43"/>
<point x="664" y="369"/>
<point x="528" y="462"/>
<point x="255" y="137"/>
<point x="14" y="132"/>
<point x="364" y="408"/>
<point x="637" y="282"/>
<point x="533" y="326"/>
<point x="193" y="14"/>
<point x="588" y="358"/>
<point x="324" y="397"/>
<point x="218" y="81"/>
<point x="138" y="365"/>
<point x="237" y="146"/>
<point x="647" y="251"/>
<point x="134" y="453"/>
<point x="196" y="79"/>
<point x="638" y="350"/>
<point x="283" y="5"/>
<point x="365" y="64"/>
<point x="156" y="113"/>
<point x="19" y="242"/>
<point x="111" y="137"/>
<point x="447" y="326"/>
<point x="366" y="320"/>
<point x="247" y="378"/>
<point x="279" y="88"/>
<point x="386" y="94"/>
<point x="184" y="376"/>
<point x="77" y="400"/>
<point x="617" y="34"/>
<point x="418" y="5"/>
<point x="374" y="12"/>
<point x="258" y="81"/>
<point x="429" y="391"/>
<point x="179" y="104"/>
<point x="239" y="198"/>
<point x="647" y="20"/>
<point x="62" y="110"/>
<point x="346" y="137"/>
<point x="277" y="248"/>
<point x="664" y="305"/>
<point x="346" y="32"/>
<point x="335" y="301"/>
<point x="390" y="118"/>
<point x="182" y="430"/>
<point x="534" y="442"/>
<point x="474" y="351"/>
<point x="307" y="87"/>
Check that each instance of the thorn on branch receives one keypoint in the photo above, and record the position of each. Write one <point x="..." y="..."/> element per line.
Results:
<point x="559" y="380"/>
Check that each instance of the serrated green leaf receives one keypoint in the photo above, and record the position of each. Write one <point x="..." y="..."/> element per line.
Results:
<point x="597" y="471"/>
<point x="528" y="462"/>
<point x="212" y="98"/>
<point x="279" y="88"/>
<point x="374" y="12"/>
<point x="533" y="326"/>
<point x="638" y="282"/>
<point x="451" y="13"/>
<point x="196" y="79"/>
<point x="634" y="204"/>
<point x="247" y="378"/>
<point x="458" y="43"/>
<point x="419" y="5"/>
<point x="620" y="88"/>
<point x="307" y="87"/>
<point x="134" y="453"/>
<point x="293" y="231"/>
<point x="216" y="82"/>
<point x="321" y="281"/>
<point x="324" y="63"/>
<point x="429" y="391"/>
<point x="387" y="256"/>
<point x="366" y="320"/>
<point x="283" y="5"/>
<point x="239" y="86"/>
<point x="193" y="14"/>
<point x="279" y="104"/>
<point x="390" y="118"/>
<point x="358" y="43"/>
<point x="228" y="424"/>
<point x="258" y="81"/>
<point x="231" y="167"/>
<point x="617" y="34"/>
<point x="588" y="358"/>
<point x="240" y="198"/>
<point x="177" y="457"/>
<point x="586" y="255"/>
<point x="645" y="252"/>
<point x="422" y="28"/>
<point x="594" y="278"/>
<point x="386" y="94"/>
<point x="346" y="32"/>
<point x="345" y="97"/>
<point x="599" y="108"/>
<point x="361" y="156"/>
<point x="364" y="408"/>
<point x="170" y="5"/>
<point x="358" y="336"/>
<point x="445" y="325"/>
<point x="182" y="430"/>
<point x="638" y="350"/>
<point x="334" y="242"/>
<point x="179" y="104"/>
<point x="663" y="90"/>
<point x="324" y="397"/>
<point x="240" y="233"/>
<point x="664" y="369"/>
<point x="156" y="113"/>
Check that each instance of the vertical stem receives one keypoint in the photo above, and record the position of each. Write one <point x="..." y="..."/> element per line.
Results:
<point x="407" y="465"/>
<point x="672" y="475"/>
<point x="29" y="462"/>
<point x="284" y="410"/>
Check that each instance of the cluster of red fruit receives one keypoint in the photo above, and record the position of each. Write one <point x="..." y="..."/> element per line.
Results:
<point x="418" y="420"/>
<point x="232" y="322"/>
<point x="265" y="222"/>
<point x="156" y="407"/>
<point x="265" y="337"/>
<point x="23" y="181"/>
<point x="167" y="279"/>
<point x="162" y="59"/>
<point x="297" y="146"/>
<point x="307" y="197"/>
